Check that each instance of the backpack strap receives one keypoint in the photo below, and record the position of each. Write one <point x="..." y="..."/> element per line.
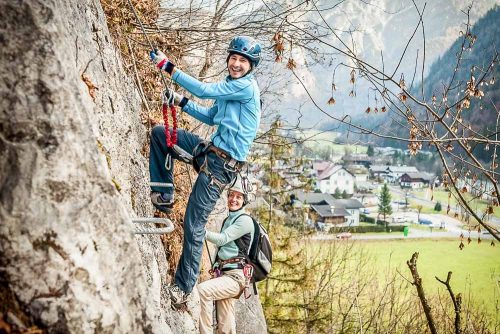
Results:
<point x="217" y="253"/>
<point x="253" y="244"/>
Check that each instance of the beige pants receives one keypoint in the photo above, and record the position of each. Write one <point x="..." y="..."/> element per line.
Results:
<point x="223" y="290"/>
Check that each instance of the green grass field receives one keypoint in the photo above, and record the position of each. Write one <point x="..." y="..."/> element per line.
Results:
<point x="326" y="139"/>
<point x="476" y="268"/>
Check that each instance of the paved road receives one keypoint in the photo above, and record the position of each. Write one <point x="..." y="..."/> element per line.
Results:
<point x="413" y="234"/>
<point x="495" y="221"/>
<point x="453" y="229"/>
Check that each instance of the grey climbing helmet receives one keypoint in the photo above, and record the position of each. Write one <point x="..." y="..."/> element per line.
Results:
<point x="247" y="47"/>
<point x="241" y="185"/>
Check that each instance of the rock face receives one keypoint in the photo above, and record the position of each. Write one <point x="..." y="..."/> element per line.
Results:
<point x="72" y="176"/>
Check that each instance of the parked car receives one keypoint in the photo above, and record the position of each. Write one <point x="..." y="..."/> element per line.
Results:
<point x="344" y="235"/>
<point x="423" y="221"/>
<point x="398" y="220"/>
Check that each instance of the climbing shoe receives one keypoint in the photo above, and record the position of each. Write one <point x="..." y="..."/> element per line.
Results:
<point x="163" y="202"/>
<point x="178" y="298"/>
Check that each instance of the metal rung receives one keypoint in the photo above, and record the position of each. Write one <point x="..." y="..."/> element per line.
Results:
<point x="152" y="220"/>
<point x="161" y="184"/>
<point x="152" y="231"/>
<point x="145" y="230"/>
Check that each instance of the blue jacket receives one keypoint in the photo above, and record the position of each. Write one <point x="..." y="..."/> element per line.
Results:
<point x="236" y="111"/>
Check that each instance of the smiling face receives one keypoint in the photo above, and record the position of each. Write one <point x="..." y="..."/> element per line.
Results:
<point x="235" y="200"/>
<point x="238" y="66"/>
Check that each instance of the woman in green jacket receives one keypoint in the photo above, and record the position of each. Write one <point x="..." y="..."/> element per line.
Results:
<point x="228" y="278"/>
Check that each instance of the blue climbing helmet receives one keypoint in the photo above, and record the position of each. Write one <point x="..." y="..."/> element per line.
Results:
<point x="247" y="47"/>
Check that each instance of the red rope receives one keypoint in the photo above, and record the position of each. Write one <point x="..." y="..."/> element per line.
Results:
<point x="170" y="138"/>
<point x="174" y="124"/>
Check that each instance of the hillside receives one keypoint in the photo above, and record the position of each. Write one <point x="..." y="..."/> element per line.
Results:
<point x="481" y="113"/>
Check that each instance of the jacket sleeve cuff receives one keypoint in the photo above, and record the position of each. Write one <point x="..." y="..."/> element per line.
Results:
<point x="183" y="102"/>
<point x="169" y="67"/>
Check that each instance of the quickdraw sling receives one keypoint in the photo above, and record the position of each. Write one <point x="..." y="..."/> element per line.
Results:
<point x="171" y="138"/>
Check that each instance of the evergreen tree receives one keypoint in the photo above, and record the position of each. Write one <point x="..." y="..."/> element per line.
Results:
<point x="384" y="205"/>
<point x="337" y="193"/>
<point x="437" y="207"/>
<point x="370" y="151"/>
<point x="344" y="194"/>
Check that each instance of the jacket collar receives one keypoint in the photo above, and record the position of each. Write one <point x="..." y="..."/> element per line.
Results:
<point x="234" y="214"/>
<point x="246" y="76"/>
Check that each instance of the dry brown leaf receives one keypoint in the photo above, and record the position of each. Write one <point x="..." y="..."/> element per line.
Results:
<point x="91" y="87"/>
<point x="291" y="65"/>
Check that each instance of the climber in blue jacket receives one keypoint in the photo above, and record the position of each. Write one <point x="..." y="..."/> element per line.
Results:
<point x="236" y="114"/>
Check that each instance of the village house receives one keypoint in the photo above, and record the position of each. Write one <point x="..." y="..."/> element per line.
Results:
<point x="335" y="177"/>
<point x="390" y="173"/>
<point x="328" y="215"/>
<point x="378" y="171"/>
<point x="416" y="180"/>
<point x="358" y="159"/>
<point x="326" y="209"/>
<point x="303" y="198"/>
<point x="352" y="206"/>
<point x="395" y="172"/>
<point x="319" y="166"/>
<point x="360" y="176"/>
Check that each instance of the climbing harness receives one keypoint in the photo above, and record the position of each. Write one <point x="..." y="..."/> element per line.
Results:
<point x="242" y="263"/>
<point x="248" y="273"/>
<point x="200" y="154"/>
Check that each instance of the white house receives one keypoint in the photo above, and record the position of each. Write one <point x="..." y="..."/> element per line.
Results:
<point x="352" y="206"/>
<point x="395" y="172"/>
<point x="416" y="180"/>
<point x="360" y="173"/>
<point x="336" y="177"/>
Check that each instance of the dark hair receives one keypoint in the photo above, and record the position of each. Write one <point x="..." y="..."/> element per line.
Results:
<point x="240" y="54"/>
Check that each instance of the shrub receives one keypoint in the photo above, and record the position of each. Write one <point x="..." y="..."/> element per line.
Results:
<point x="365" y="229"/>
<point x="366" y="219"/>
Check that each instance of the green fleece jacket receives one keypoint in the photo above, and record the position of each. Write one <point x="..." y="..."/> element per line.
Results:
<point x="232" y="229"/>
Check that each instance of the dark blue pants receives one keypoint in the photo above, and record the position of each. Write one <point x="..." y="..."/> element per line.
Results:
<point x="202" y="200"/>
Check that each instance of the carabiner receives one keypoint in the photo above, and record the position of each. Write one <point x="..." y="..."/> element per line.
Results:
<point x="168" y="161"/>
